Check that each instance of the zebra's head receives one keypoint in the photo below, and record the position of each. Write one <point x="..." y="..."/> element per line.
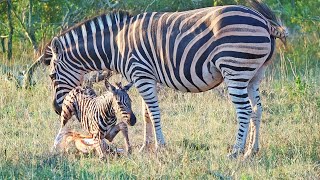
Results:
<point x="122" y="102"/>
<point x="64" y="73"/>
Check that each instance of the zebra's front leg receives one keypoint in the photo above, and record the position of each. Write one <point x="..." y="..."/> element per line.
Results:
<point x="148" y="91"/>
<point x="239" y="97"/>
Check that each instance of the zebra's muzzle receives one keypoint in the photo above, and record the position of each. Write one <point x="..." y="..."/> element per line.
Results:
<point x="132" y="121"/>
<point x="56" y="107"/>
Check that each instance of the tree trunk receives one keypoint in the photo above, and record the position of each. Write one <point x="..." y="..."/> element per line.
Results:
<point x="3" y="47"/>
<point x="28" y="29"/>
<point x="10" y="30"/>
<point x="30" y="16"/>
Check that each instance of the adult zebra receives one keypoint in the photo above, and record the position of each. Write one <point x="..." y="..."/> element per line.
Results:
<point x="191" y="51"/>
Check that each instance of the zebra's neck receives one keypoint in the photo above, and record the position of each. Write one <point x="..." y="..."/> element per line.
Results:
<point x="106" y="104"/>
<point x="93" y="43"/>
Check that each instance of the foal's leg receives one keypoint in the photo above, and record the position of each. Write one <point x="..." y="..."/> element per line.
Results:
<point x="64" y="118"/>
<point x="65" y="138"/>
<point x="122" y="126"/>
<point x="84" y="143"/>
<point x="101" y="147"/>
<point x="124" y="130"/>
<point x="59" y="138"/>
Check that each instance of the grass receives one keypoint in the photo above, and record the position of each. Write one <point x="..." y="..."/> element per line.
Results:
<point x="199" y="129"/>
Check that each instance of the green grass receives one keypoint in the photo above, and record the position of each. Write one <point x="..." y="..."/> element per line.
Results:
<point x="199" y="129"/>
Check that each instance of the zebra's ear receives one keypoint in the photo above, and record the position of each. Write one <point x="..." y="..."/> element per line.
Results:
<point x="56" y="46"/>
<point x="127" y="87"/>
<point x="109" y="86"/>
<point x="77" y="90"/>
<point x="119" y="84"/>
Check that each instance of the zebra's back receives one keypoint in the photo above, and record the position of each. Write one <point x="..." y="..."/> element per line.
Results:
<point x="95" y="113"/>
<point x="188" y="50"/>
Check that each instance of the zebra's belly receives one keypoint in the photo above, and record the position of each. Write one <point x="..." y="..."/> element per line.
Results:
<point x="191" y="79"/>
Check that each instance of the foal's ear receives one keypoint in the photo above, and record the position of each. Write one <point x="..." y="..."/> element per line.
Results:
<point x="77" y="90"/>
<point x="56" y="46"/>
<point x="127" y="87"/>
<point x="109" y="86"/>
<point x="119" y="84"/>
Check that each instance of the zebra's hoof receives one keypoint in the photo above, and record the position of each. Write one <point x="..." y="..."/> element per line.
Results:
<point x="129" y="151"/>
<point x="235" y="154"/>
<point x="160" y="147"/>
<point x="250" y="154"/>
<point x="103" y="158"/>
<point x="53" y="149"/>
<point x="147" y="147"/>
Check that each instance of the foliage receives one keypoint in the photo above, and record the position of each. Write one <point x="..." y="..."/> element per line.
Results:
<point x="48" y="18"/>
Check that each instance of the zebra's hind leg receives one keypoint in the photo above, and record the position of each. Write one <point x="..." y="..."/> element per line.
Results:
<point x="239" y="96"/>
<point x="254" y="96"/>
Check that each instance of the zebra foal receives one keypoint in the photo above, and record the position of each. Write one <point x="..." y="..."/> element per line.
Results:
<point x="98" y="115"/>
<point x="190" y="51"/>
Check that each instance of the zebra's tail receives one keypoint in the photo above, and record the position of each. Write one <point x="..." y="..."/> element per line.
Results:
<point x="277" y="29"/>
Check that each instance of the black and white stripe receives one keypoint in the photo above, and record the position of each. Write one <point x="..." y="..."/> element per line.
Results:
<point x="98" y="114"/>
<point x="191" y="51"/>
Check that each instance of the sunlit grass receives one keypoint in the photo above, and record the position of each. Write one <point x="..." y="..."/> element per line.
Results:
<point x="199" y="129"/>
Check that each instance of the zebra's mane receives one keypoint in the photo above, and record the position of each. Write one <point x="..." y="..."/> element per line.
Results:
<point x="115" y="16"/>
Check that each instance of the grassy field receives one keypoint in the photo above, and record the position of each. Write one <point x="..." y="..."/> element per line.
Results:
<point x="199" y="129"/>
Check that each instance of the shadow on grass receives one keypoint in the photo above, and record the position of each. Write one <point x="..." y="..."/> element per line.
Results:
<point x="49" y="166"/>
<point x="188" y="144"/>
<point x="218" y="175"/>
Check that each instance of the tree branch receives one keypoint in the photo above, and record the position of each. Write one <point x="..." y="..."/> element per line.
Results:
<point x="9" y="10"/>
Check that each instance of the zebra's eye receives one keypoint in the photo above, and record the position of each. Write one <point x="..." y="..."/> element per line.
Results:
<point x="52" y="76"/>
